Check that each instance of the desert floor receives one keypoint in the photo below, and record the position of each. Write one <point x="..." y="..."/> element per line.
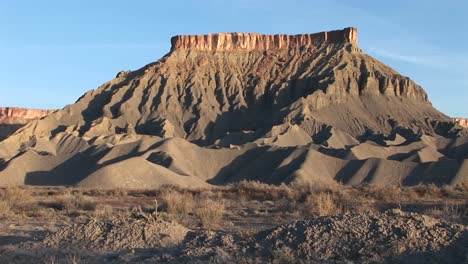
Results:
<point x="248" y="222"/>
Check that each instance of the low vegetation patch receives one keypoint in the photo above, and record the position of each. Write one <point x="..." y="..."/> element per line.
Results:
<point x="70" y="203"/>
<point x="5" y="209"/>
<point x="210" y="212"/>
<point x="179" y="204"/>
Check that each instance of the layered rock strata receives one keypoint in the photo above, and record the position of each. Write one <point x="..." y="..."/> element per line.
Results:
<point x="252" y="41"/>
<point x="15" y="114"/>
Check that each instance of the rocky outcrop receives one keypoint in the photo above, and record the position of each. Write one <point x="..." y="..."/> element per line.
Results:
<point x="248" y="41"/>
<point x="462" y="121"/>
<point x="21" y="115"/>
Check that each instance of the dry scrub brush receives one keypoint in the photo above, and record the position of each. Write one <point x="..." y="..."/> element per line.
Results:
<point x="103" y="211"/>
<point x="254" y="190"/>
<point x="179" y="204"/>
<point x="323" y="203"/>
<point x="327" y="205"/>
<point x="5" y="209"/>
<point x="72" y="203"/>
<point x="210" y="211"/>
<point x="450" y="212"/>
<point x="207" y="208"/>
<point x="13" y="200"/>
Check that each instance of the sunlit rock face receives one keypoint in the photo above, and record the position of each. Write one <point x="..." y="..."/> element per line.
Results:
<point x="16" y="114"/>
<point x="462" y="121"/>
<point x="252" y="41"/>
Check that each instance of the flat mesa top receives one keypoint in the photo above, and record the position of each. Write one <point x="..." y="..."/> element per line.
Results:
<point x="254" y="41"/>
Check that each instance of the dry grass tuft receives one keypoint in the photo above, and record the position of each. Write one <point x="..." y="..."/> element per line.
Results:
<point x="450" y="212"/>
<point x="179" y="204"/>
<point x="5" y="209"/>
<point x="326" y="204"/>
<point x="84" y="203"/>
<point x="15" y="195"/>
<point x="71" y="203"/>
<point x="380" y="193"/>
<point x="323" y="202"/>
<point x="14" y="200"/>
<point x="119" y="192"/>
<point x="103" y="211"/>
<point x="208" y="208"/>
<point x="253" y="190"/>
<point x="210" y="212"/>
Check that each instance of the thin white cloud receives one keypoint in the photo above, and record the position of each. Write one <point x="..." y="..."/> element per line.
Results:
<point x="427" y="57"/>
<point x="413" y="49"/>
<point x="420" y="60"/>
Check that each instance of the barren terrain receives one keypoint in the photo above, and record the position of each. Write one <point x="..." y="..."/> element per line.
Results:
<point x="249" y="222"/>
<point x="239" y="148"/>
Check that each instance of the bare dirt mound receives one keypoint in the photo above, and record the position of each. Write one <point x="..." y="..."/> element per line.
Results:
<point x="368" y="237"/>
<point x="209" y="244"/>
<point x="139" y="230"/>
<point x="372" y="237"/>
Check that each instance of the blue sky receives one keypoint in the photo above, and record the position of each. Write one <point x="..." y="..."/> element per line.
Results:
<point x="54" y="51"/>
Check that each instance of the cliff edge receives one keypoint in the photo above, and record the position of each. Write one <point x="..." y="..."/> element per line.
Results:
<point x="254" y="41"/>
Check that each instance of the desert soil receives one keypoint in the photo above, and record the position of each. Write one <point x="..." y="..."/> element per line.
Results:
<point x="246" y="223"/>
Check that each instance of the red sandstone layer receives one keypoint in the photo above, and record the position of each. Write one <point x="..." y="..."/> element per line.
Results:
<point x="252" y="41"/>
<point x="14" y="113"/>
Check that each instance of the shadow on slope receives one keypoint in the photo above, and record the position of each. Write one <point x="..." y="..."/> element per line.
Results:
<point x="260" y="164"/>
<point x="80" y="166"/>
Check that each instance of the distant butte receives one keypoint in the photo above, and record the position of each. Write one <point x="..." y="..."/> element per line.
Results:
<point x="13" y="113"/>
<point x="254" y="41"/>
<point x="224" y="108"/>
<point x="12" y="118"/>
